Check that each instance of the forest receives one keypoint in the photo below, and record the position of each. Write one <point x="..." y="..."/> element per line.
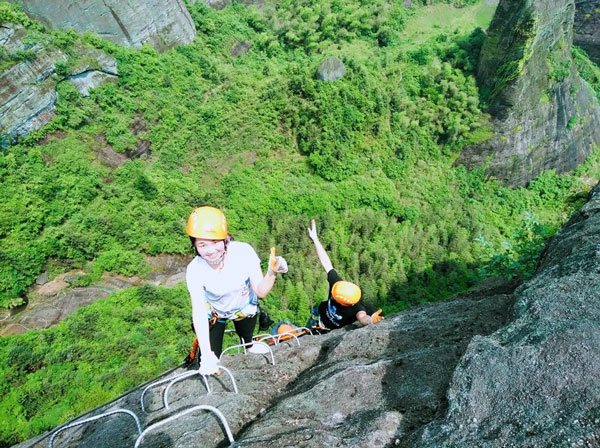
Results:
<point x="370" y="157"/>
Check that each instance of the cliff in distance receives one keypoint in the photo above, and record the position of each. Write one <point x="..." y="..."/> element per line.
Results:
<point x="162" y="24"/>
<point x="544" y="116"/>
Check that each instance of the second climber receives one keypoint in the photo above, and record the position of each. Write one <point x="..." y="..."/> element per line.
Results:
<point x="344" y="305"/>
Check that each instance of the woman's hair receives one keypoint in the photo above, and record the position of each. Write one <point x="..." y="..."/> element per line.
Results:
<point x="227" y="240"/>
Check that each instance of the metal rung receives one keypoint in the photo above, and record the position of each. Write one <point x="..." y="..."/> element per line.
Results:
<point x="182" y="413"/>
<point x="166" y="380"/>
<point x="249" y="344"/>
<point x="96" y="417"/>
<point x="276" y="338"/>
<point x="204" y="377"/>
<point x="261" y="336"/>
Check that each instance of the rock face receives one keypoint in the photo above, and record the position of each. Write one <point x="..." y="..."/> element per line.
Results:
<point x="28" y="89"/>
<point x="535" y="382"/>
<point x="587" y="27"/>
<point x="160" y="23"/>
<point x="89" y="76"/>
<point x="331" y="69"/>
<point x="352" y="387"/>
<point x="544" y="116"/>
<point x="27" y="94"/>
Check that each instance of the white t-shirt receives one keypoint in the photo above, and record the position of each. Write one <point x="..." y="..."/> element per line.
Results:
<point x="226" y="292"/>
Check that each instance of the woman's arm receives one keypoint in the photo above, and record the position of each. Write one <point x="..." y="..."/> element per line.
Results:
<point x="321" y="253"/>
<point x="262" y="285"/>
<point x="364" y="319"/>
<point x="208" y="360"/>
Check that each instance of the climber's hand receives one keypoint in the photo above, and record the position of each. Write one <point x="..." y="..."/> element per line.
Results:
<point x="376" y="317"/>
<point x="277" y="265"/>
<point x="209" y="364"/>
<point x="312" y="231"/>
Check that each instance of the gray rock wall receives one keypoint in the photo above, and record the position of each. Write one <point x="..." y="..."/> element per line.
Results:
<point x="160" y="23"/>
<point x="544" y="116"/>
<point x="587" y="27"/>
<point x="535" y="382"/>
<point x="27" y="94"/>
<point x="28" y="89"/>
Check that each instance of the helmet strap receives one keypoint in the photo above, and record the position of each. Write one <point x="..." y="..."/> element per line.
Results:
<point x="220" y="259"/>
<point x="214" y="262"/>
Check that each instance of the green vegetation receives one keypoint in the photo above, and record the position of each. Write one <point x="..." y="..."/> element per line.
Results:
<point x="100" y="352"/>
<point x="512" y="59"/>
<point x="587" y="69"/>
<point x="559" y="68"/>
<point x="369" y="157"/>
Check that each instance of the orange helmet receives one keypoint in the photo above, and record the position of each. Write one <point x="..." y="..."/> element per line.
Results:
<point x="345" y="293"/>
<point x="285" y="332"/>
<point x="284" y="328"/>
<point x="207" y="223"/>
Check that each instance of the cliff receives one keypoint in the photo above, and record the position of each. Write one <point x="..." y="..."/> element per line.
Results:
<point x="492" y="368"/>
<point x="28" y="93"/>
<point x="544" y="116"/>
<point x="534" y="382"/>
<point x="587" y="27"/>
<point x="162" y="24"/>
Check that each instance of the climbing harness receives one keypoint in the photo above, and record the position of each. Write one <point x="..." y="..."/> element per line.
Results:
<point x="275" y="339"/>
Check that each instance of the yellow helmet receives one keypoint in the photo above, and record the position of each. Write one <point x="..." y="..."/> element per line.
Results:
<point x="345" y="293"/>
<point x="207" y="223"/>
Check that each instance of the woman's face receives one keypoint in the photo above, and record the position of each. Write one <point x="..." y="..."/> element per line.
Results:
<point x="210" y="250"/>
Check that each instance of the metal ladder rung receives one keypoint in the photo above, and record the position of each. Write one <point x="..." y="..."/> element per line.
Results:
<point x="182" y="413"/>
<point x="96" y="417"/>
<point x="204" y="377"/>
<point x="249" y="344"/>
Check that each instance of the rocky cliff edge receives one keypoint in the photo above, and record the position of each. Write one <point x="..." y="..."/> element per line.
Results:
<point x="497" y="367"/>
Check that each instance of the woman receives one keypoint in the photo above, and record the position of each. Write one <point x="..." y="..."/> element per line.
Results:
<point x="225" y="282"/>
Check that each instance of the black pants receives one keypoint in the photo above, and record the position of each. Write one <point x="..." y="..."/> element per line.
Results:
<point x="244" y="329"/>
